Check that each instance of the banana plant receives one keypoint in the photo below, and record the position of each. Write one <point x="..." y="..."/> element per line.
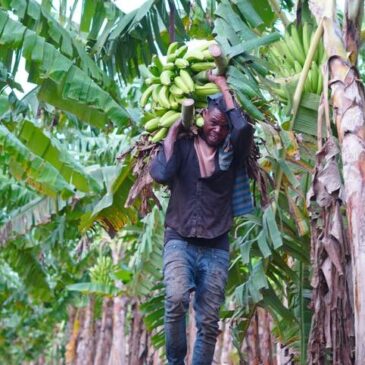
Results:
<point x="349" y="119"/>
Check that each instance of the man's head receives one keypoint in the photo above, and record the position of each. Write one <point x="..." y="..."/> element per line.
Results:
<point x="216" y="124"/>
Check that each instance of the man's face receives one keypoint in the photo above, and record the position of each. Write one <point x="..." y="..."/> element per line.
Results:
<point x="216" y="128"/>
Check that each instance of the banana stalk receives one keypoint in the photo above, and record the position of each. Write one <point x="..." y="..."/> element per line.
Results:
<point x="219" y="59"/>
<point x="187" y="113"/>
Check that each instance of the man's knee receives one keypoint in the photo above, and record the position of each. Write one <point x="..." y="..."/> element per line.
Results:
<point x="176" y="304"/>
<point x="208" y="327"/>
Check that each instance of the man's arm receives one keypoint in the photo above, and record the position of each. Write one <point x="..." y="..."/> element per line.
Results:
<point x="242" y="131"/>
<point x="166" y="163"/>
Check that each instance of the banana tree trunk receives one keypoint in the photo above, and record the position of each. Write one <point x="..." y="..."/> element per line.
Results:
<point x="137" y="346"/>
<point x="118" y="354"/>
<point x="85" y="346"/>
<point x="348" y="101"/>
<point x="266" y="345"/>
<point x="354" y="11"/>
<point x="118" y="351"/>
<point x="105" y="337"/>
<point x="71" y="347"/>
<point x="253" y="355"/>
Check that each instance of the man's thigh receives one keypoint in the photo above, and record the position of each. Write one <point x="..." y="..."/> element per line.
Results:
<point x="178" y="270"/>
<point x="212" y="279"/>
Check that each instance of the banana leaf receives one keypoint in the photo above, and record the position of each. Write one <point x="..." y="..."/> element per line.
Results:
<point x="25" y="165"/>
<point x="49" y="149"/>
<point x="74" y="91"/>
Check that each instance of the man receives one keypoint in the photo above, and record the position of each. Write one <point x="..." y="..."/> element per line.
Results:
<point x="200" y="173"/>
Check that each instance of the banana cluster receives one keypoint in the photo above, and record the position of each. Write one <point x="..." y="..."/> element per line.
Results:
<point x="182" y="75"/>
<point x="100" y="272"/>
<point x="288" y="55"/>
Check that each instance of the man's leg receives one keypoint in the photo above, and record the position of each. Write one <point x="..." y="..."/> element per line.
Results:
<point x="211" y="281"/>
<point x="178" y="279"/>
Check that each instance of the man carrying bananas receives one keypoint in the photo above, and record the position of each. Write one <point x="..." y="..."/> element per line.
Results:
<point x="200" y="171"/>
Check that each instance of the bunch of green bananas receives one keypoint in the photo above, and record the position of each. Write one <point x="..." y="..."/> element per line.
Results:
<point x="287" y="59"/>
<point x="182" y="75"/>
<point x="100" y="272"/>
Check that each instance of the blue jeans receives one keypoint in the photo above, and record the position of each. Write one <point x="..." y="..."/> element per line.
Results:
<point x="187" y="268"/>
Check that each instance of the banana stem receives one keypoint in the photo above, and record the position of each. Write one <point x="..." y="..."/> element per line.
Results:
<point x="275" y="6"/>
<point x="219" y="59"/>
<point x="187" y="113"/>
<point x="304" y="74"/>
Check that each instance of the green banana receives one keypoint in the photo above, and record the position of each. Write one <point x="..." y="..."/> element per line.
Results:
<point x="166" y="77"/>
<point x="308" y="82"/>
<point x="199" y="121"/>
<point x="285" y="52"/>
<point x="172" y="48"/>
<point x="205" y="45"/>
<point x="207" y="55"/>
<point x="171" y="81"/>
<point x="173" y="102"/>
<point x="155" y="93"/>
<point x="159" y="110"/>
<point x="321" y="53"/>
<point x="320" y="83"/>
<point x="180" y="99"/>
<point x="180" y="52"/>
<point x="315" y="76"/>
<point x="298" y="42"/>
<point x="297" y="67"/>
<point x="167" y="115"/>
<point x="169" y="66"/>
<point x="181" y="63"/>
<point x="207" y="89"/>
<point x="170" y="120"/>
<point x="202" y="66"/>
<point x="181" y="84"/>
<point x="152" y="80"/>
<point x="194" y="55"/>
<point x="294" y="48"/>
<point x="306" y="37"/>
<point x="152" y="124"/>
<point x="185" y="76"/>
<point x="146" y="94"/>
<point x="161" y="134"/>
<point x="201" y="77"/>
<point x="175" y="90"/>
<point x="163" y="97"/>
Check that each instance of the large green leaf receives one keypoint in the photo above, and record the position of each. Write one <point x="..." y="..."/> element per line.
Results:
<point x="72" y="89"/>
<point x="22" y="220"/>
<point x="234" y="31"/>
<point x="110" y="210"/>
<point x="48" y="148"/>
<point x="47" y="26"/>
<point x="25" y="165"/>
<point x="94" y="288"/>
<point x="25" y="263"/>
<point x="14" y="194"/>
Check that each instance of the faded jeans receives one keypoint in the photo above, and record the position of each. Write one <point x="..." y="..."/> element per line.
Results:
<point x="187" y="268"/>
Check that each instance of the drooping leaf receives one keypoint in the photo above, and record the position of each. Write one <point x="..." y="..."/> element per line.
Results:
<point x="26" y="165"/>
<point x="48" y="148"/>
